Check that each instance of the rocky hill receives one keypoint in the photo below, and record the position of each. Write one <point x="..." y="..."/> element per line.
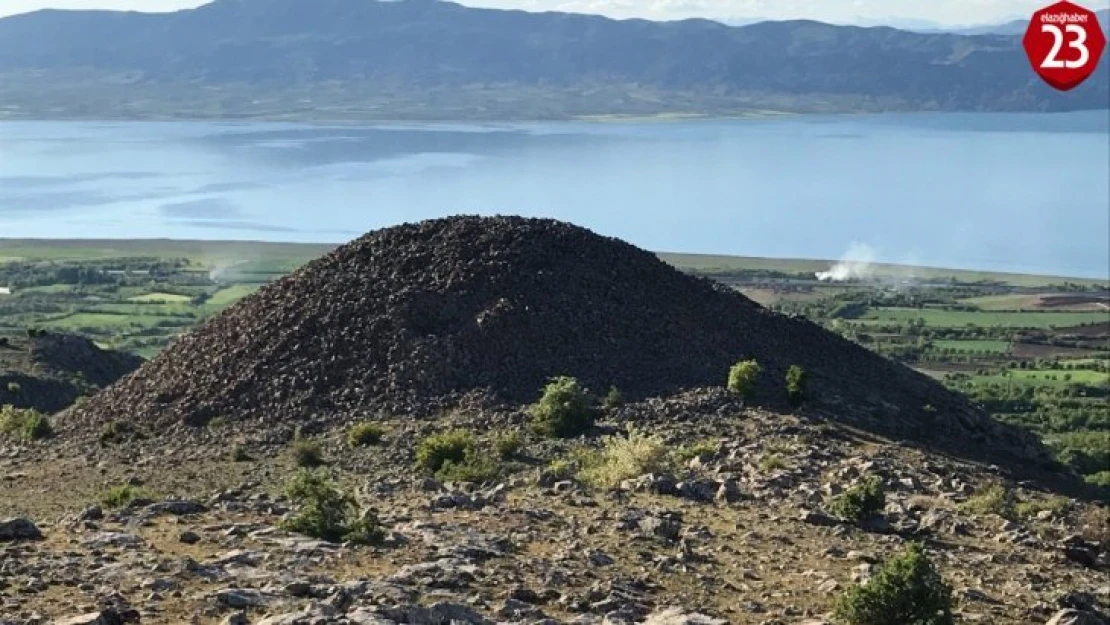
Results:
<point x="49" y="371"/>
<point x="420" y="318"/>
<point x="429" y="59"/>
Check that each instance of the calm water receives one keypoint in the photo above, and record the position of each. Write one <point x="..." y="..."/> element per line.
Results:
<point x="1024" y="193"/>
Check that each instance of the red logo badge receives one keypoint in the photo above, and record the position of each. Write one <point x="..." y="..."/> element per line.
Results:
<point x="1064" y="43"/>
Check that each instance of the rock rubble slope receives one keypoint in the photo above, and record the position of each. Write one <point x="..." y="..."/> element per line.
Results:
<point x="416" y="318"/>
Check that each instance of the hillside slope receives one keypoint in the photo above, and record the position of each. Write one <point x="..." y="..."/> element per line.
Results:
<point x="422" y="58"/>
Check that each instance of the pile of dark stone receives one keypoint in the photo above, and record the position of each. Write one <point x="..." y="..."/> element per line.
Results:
<point x="417" y="318"/>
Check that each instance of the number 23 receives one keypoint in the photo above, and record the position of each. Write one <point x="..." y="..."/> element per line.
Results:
<point x="1080" y="43"/>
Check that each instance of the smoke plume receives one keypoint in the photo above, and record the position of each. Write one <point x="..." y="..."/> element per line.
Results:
<point x="857" y="264"/>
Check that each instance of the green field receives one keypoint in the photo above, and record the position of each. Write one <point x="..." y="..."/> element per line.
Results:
<point x="160" y="298"/>
<point x="957" y="318"/>
<point x="229" y="295"/>
<point x="974" y="346"/>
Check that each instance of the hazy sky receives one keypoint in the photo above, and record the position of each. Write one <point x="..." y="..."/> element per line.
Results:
<point x="952" y="12"/>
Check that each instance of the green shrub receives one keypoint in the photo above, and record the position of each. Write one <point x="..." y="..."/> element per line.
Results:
<point x="1030" y="509"/>
<point x="795" y="384"/>
<point x="14" y="388"/>
<point x="743" y="378"/>
<point x="216" y="423"/>
<point x="325" y="512"/>
<point x="122" y="496"/>
<point x="860" y="503"/>
<point x="119" y="431"/>
<point x="474" y="468"/>
<point x="1102" y="478"/>
<point x="25" y="424"/>
<point x="436" y="450"/>
<point x="772" y="462"/>
<point x="690" y="451"/>
<point x="622" y="458"/>
<point x="307" y="454"/>
<point x="906" y="590"/>
<point x="994" y="499"/>
<point x="613" y="399"/>
<point x="508" y="445"/>
<point x="239" y="454"/>
<point x="364" y="434"/>
<point x="564" y="410"/>
<point x="562" y="469"/>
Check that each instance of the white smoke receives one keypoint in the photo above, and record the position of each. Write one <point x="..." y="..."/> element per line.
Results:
<point x="858" y="263"/>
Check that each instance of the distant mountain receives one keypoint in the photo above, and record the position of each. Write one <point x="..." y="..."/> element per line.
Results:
<point x="431" y="59"/>
<point x="1018" y="27"/>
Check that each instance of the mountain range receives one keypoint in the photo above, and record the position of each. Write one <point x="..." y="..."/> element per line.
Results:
<point x="432" y="59"/>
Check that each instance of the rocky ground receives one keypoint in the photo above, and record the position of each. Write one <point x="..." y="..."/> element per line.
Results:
<point x="739" y="533"/>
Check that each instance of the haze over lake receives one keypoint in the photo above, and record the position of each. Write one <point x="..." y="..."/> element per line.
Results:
<point x="1008" y="192"/>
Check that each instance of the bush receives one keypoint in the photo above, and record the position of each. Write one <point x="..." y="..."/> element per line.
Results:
<point x="307" y="454"/>
<point x="564" y="410"/>
<point x="613" y="399"/>
<point x="743" y="378"/>
<point x="239" y="454"/>
<point x="624" y="458"/>
<point x="327" y="513"/>
<point x="438" y="449"/>
<point x="1102" y="478"/>
<point x="907" y="590"/>
<point x="119" y="431"/>
<point x="772" y="462"/>
<point x="122" y="496"/>
<point x="14" y="388"/>
<point x="473" y="468"/>
<point x="994" y="499"/>
<point x="862" y="502"/>
<point x="795" y="384"/>
<point x="508" y="445"/>
<point x="364" y="434"/>
<point x="700" y="449"/>
<point x="25" y="424"/>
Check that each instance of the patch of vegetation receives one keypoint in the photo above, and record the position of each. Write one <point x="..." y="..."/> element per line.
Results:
<point x="25" y="424"/>
<point x="994" y="499"/>
<point x="327" y="513"/>
<point x="564" y="410"/>
<point x="1102" y="478"/>
<point x="795" y="384"/>
<point x="307" y="454"/>
<point x="508" y="445"/>
<point x="906" y="590"/>
<point x="1058" y="506"/>
<point x="438" y="449"/>
<point x="743" y="378"/>
<point x="474" y="468"/>
<point x="122" y="496"/>
<point x="14" y="388"/>
<point x="613" y="399"/>
<point x="365" y="434"/>
<point x="624" y="457"/>
<point x="862" y="502"/>
<point x="773" y="462"/>
<point x="216" y="423"/>
<point x="120" y="431"/>
<point x="240" y="454"/>
<point x="700" y="449"/>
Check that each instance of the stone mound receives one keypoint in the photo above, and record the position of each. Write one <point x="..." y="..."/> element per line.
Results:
<point x="49" y="371"/>
<point x="420" y="317"/>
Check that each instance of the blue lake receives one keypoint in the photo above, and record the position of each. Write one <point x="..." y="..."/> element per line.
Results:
<point x="1021" y="192"/>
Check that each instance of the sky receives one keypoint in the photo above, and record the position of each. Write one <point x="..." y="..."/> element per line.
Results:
<point x="896" y="12"/>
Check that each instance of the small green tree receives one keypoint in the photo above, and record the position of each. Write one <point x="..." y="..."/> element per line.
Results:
<point x="907" y="590"/>
<point x="438" y="449"/>
<point x="795" y="384"/>
<point x="364" y="434"/>
<point x="613" y="399"/>
<point x="327" y="513"/>
<point x="564" y="410"/>
<point x="25" y="424"/>
<point x="743" y="378"/>
<point x="508" y="445"/>
<point x="862" y="502"/>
